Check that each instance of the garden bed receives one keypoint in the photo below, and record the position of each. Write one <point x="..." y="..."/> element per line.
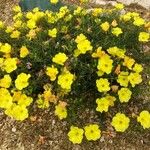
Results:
<point x="42" y="130"/>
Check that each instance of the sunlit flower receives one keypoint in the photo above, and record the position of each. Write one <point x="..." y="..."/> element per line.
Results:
<point x="65" y="80"/>
<point x="124" y="95"/>
<point x="22" y="81"/>
<point x="60" y="111"/>
<point x="102" y="85"/>
<point x="134" y="79"/>
<point x="52" y="33"/>
<point x="123" y="79"/>
<point x="60" y="58"/>
<point x="105" y="64"/>
<point x="105" y="26"/>
<point x="75" y="135"/>
<point x="52" y="72"/>
<point x="144" y="119"/>
<point x="120" y="122"/>
<point x="144" y="37"/>
<point x="92" y="132"/>
<point x="117" y="31"/>
<point x="54" y="1"/>
<point x="5" y="82"/>
<point x="24" y="51"/>
<point x="102" y="104"/>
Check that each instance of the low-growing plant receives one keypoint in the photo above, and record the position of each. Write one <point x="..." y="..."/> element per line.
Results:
<point x="72" y="59"/>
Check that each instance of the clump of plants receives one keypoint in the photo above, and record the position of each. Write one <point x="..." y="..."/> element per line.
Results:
<point x="72" y="59"/>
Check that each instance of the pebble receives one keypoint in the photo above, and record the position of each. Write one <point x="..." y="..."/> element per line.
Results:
<point x="13" y="129"/>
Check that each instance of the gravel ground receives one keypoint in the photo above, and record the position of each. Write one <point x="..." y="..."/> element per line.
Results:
<point x="43" y="131"/>
<point x="144" y="3"/>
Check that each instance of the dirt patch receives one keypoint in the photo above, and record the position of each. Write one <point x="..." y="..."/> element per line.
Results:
<point x="47" y="133"/>
<point x="6" y="10"/>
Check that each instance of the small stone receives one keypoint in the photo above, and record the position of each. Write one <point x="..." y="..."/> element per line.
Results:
<point x="13" y="129"/>
<point x="53" y="122"/>
<point x="102" y="139"/>
<point x="110" y="141"/>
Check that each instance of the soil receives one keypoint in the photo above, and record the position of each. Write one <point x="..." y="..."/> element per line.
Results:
<point x="43" y="131"/>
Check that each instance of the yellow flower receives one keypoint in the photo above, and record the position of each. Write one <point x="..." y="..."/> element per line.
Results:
<point x="111" y="99"/>
<point x="36" y="9"/>
<point x="84" y="1"/>
<point x="16" y="96"/>
<point x="17" y="9"/>
<point x="120" y="122"/>
<point x="105" y="64"/>
<point x="60" y="111"/>
<point x="78" y="10"/>
<point x="147" y="26"/>
<point x="31" y="34"/>
<point x="15" y="34"/>
<point x="99" y="53"/>
<point x="52" y="33"/>
<point x="123" y="79"/>
<point x="80" y="38"/>
<point x="31" y="24"/>
<point x="92" y="132"/>
<point x="52" y="72"/>
<point x="138" y="21"/>
<point x="6" y="48"/>
<point x="54" y="1"/>
<point x="83" y="45"/>
<point x="60" y="58"/>
<point x="29" y="15"/>
<point x="18" y="112"/>
<point x="137" y="68"/>
<point x="24" y="51"/>
<point x="115" y="51"/>
<point x="41" y="102"/>
<point x="18" y="24"/>
<point x="126" y="17"/>
<point x="117" y="31"/>
<point x="135" y="14"/>
<point x="102" y="85"/>
<point x="9" y="29"/>
<point x="144" y="119"/>
<point x="128" y="62"/>
<point x="22" y="81"/>
<point x="135" y="78"/>
<point x="103" y="104"/>
<point x="114" y="23"/>
<point x="75" y="135"/>
<point x="24" y="100"/>
<point x="65" y="80"/>
<point x="5" y="98"/>
<point x="96" y="11"/>
<point x="1" y="62"/>
<point x="48" y="96"/>
<point x="1" y="24"/>
<point x="5" y="82"/>
<point x="144" y="37"/>
<point x="10" y="64"/>
<point x="124" y="95"/>
<point x="18" y="16"/>
<point x="119" y="6"/>
<point x="100" y="73"/>
<point x="105" y="26"/>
